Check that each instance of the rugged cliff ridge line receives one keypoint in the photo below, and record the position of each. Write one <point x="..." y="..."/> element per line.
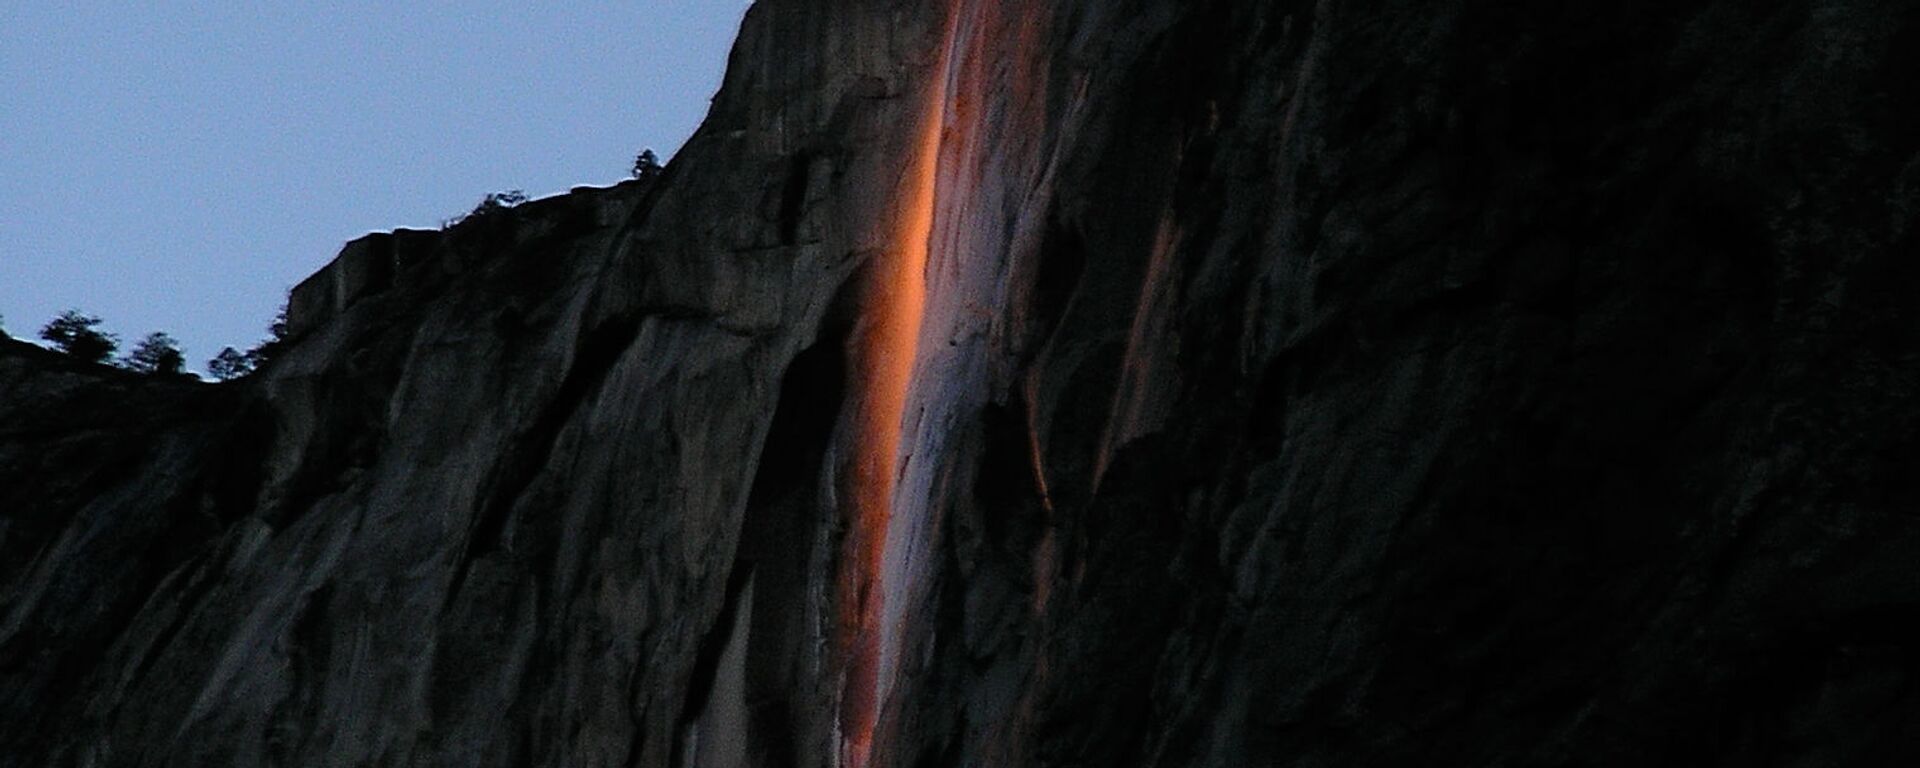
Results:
<point x="1289" y="383"/>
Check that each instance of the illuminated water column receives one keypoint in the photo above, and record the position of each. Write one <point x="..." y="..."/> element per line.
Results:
<point x="924" y="355"/>
<point x="888" y="351"/>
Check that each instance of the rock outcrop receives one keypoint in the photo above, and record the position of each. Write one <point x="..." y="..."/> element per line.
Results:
<point x="1030" y="382"/>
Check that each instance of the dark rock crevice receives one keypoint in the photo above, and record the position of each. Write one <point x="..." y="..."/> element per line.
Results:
<point x="599" y="349"/>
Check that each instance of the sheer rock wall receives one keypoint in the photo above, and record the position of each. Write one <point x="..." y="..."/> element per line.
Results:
<point x="1289" y="383"/>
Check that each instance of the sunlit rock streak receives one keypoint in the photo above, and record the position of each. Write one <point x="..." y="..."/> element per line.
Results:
<point x="1139" y="405"/>
<point x="887" y="353"/>
<point x="926" y="354"/>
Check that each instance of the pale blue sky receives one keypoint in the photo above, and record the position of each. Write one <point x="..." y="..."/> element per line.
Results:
<point x="178" y="166"/>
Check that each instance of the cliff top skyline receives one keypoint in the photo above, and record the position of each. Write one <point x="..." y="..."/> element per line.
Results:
<point x="178" y="168"/>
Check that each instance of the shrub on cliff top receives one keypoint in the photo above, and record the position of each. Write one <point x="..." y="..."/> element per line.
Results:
<point x="493" y="203"/>
<point x="647" y="165"/>
<point x="78" y="335"/>
<point x="229" y="364"/>
<point x="276" y="340"/>
<point x="157" y="354"/>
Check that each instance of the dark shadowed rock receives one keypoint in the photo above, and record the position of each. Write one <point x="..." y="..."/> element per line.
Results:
<point x="1284" y="384"/>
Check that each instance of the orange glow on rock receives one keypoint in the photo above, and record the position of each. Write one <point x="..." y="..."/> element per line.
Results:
<point x="888" y="351"/>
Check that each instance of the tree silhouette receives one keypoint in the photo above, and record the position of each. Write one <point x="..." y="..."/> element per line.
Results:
<point x="77" y="335"/>
<point x="276" y="340"/>
<point x="493" y="203"/>
<point x="157" y="354"/>
<point x="229" y="364"/>
<point x="647" y="165"/>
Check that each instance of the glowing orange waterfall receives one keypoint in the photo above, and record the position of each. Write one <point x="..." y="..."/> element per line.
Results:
<point x="888" y="351"/>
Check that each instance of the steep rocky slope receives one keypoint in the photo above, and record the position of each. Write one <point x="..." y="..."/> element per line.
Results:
<point x="1061" y="383"/>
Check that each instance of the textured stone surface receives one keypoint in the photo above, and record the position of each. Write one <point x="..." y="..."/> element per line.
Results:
<point x="1293" y="383"/>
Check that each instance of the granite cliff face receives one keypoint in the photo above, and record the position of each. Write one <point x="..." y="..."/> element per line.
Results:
<point x="1060" y="383"/>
